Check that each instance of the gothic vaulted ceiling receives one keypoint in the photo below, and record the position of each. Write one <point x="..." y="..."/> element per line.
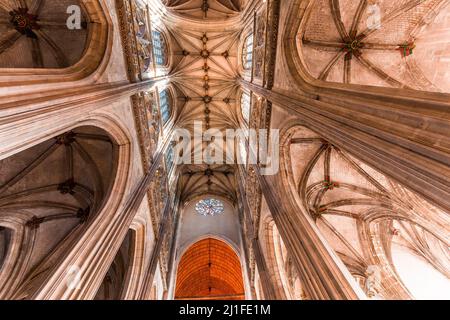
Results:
<point x="48" y="195"/>
<point x="385" y="43"/>
<point x="34" y="34"/>
<point x="206" y="74"/>
<point x="205" y="9"/>
<point x="363" y="213"/>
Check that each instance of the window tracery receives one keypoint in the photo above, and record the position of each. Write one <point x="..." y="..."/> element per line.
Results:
<point x="210" y="207"/>
<point x="381" y="43"/>
<point x="165" y="105"/>
<point x="247" y="53"/>
<point x="246" y="101"/>
<point x="159" y="48"/>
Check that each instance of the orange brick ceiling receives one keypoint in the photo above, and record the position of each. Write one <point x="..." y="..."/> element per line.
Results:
<point x="210" y="269"/>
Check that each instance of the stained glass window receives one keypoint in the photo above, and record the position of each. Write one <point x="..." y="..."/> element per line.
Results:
<point x="165" y="103"/>
<point x="210" y="207"/>
<point x="170" y="157"/>
<point x="159" y="48"/>
<point x="247" y="54"/>
<point x="246" y="106"/>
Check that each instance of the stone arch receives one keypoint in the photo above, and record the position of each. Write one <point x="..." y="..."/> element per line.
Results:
<point x="403" y="235"/>
<point x="182" y="250"/>
<point x="375" y="64"/>
<point x="29" y="270"/>
<point x="39" y="46"/>
<point x="344" y="197"/>
<point x="132" y="284"/>
<point x="5" y="239"/>
<point x="297" y="175"/>
<point x="274" y="268"/>
<point x="118" y="277"/>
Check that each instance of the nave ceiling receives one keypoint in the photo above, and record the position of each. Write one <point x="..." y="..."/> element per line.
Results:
<point x="206" y="9"/>
<point x="205" y="73"/>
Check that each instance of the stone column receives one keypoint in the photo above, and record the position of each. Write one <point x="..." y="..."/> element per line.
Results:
<point x="266" y="280"/>
<point x="324" y="276"/>
<point x="168" y="223"/>
<point x="95" y="251"/>
<point x="405" y="144"/>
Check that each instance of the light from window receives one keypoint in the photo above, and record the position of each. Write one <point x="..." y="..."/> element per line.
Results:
<point x="210" y="207"/>
<point x="246" y="106"/>
<point x="170" y="158"/>
<point x="247" y="54"/>
<point x="166" y="108"/>
<point x="243" y="154"/>
<point x="159" y="48"/>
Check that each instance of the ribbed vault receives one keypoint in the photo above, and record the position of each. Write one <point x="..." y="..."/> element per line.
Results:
<point x="381" y="43"/>
<point x="206" y="75"/>
<point x="34" y="34"/>
<point x="205" y="9"/>
<point x="49" y="194"/>
<point x="218" y="180"/>
<point x="362" y="213"/>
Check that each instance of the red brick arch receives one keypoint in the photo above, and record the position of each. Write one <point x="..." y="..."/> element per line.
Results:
<point x="210" y="269"/>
